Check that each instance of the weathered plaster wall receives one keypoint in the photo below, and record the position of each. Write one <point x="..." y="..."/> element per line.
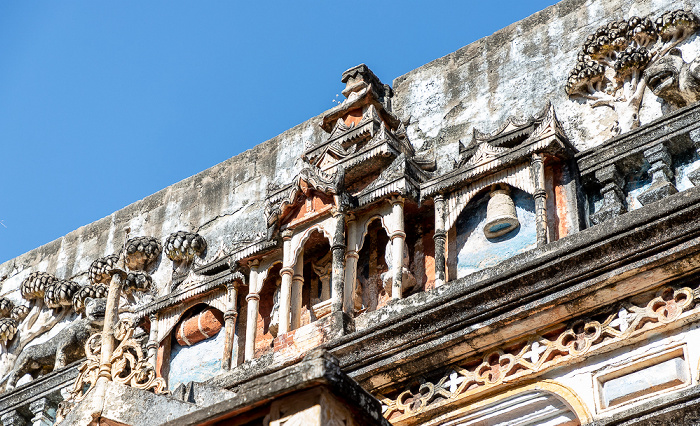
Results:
<point x="516" y="71"/>
<point x="222" y="203"/>
<point x="196" y="363"/>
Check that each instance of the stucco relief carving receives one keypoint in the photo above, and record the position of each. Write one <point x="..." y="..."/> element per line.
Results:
<point x="622" y="58"/>
<point x="99" y="272"/>
<point x="674" y="80"/>
<point x="142" y="252"/>
<point x="544" y="350"/>
<point x="64" y="348"/>
<point x="128" y="366"/>
<point x="182" y="248"/>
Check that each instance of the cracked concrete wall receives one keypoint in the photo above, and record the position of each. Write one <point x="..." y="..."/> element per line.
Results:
<point x="516" y="71"/>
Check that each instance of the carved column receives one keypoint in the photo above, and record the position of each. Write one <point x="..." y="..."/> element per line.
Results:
<point x="351" y="257"/>
<point x="253" y="300"/>
<point x="613" y="197"/>
<point x="286" y="289"/>
<point x="44" y="412"/>
<point x="398" y="237"/>
<point x="540" y="196"/>
<point x="338" y="271"/>
<point x="297" y="287"/>
<point x="152" y="345"/>
<point x="111" y="318"/>
<point x="230" y="322"/>
<point x="13" y="418"/>
<point x="439" y="238"/>
<point x="661" y="175"/>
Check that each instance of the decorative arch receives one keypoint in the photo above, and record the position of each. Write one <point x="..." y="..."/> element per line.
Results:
<point x="263" y="272"/>
<point x="365" y="229"/>
<point x="325" y="227"/>
<point x="517" y="176"/>
<point x="545" y="390"/>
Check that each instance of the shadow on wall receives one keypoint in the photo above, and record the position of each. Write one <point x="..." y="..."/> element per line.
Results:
<point x="475" y="251"/>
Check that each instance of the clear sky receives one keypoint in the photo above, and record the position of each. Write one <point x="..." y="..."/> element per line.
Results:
<point x="105" y="102"/>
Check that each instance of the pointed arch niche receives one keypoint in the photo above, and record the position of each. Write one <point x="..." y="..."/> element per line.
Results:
<point x="370" y="293"/>
<point x="470" y="250"/>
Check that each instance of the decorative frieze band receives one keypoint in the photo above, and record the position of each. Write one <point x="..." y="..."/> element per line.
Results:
<point x="542" y="351"/>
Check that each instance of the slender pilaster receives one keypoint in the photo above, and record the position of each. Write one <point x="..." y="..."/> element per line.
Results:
<point x="540" y="196"/>
<point x="297" y="287"/>
<point x="152" y="345"/>
<point x="351" y="257"/>
<point x="286" y="289"/>
<point x="439" y="238"/>
<point x="230" y="323"/>
<point x="338" y="271"/>
<point x="398" y="237"/>
<point x="253" y="300"/>
<point x="44" y="412"/>
<point x="694" y="176"/>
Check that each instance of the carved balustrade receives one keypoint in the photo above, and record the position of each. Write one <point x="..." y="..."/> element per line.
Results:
<point x="642" y="166"/>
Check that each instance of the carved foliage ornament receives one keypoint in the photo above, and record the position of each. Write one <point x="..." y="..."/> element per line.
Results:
<point x="541" y="351"/>
<point x="610" y="69"/>
<point x="129" y="367"/>
<point x="184" y="246"/>
<point x="141" y="252"/>
<point x="99" y="271"/>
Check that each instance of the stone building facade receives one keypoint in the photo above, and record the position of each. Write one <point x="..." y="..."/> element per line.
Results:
<point x="508" y="235"/>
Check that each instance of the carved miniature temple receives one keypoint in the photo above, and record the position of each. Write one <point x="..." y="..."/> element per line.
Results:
<point x="505" y="236"/>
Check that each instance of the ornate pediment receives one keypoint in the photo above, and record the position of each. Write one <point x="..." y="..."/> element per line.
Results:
<point x="513" y="133"/>
<point x="359" y="122"/>
<point x="311" y="192"/>
<point x="511" y="145"/>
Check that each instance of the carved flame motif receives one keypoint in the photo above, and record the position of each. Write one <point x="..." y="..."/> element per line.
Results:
<point x="129" y="367"/>
<point x="536" y="353"/>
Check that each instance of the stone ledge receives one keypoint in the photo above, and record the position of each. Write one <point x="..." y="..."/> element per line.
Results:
<point x="635" y="142"/>
<point x="318" y="368"/>
<point x="48" y="386"/>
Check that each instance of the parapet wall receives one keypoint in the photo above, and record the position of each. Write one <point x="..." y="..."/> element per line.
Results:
<point x="515" y="71"/>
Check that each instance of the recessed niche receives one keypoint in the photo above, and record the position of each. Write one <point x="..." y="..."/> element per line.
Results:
<point x="643" y="377"/>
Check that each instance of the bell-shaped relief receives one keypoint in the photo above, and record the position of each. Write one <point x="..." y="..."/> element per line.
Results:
<point x="501" y="217"/>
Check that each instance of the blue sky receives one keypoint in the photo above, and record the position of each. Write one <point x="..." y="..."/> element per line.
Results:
<point x="104" y="103"/>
